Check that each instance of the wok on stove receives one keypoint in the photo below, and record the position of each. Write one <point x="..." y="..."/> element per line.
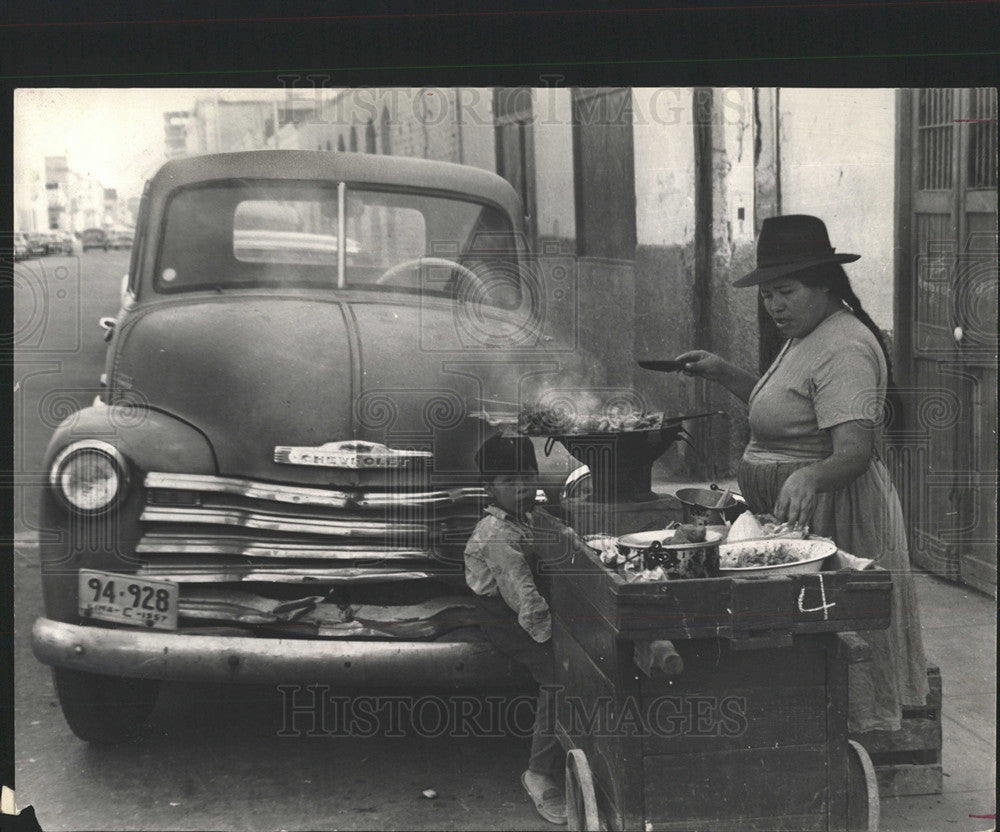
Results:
<point x="620" y="460"/>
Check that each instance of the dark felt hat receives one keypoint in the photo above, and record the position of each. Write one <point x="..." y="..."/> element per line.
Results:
<point x="506" y="455"/>
<point x="791" y="244"/>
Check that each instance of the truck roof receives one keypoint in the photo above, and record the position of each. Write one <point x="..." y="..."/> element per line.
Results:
<point x="337" y="166"/>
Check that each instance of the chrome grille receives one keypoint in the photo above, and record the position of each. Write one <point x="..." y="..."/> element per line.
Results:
<point x="200" y="528"/>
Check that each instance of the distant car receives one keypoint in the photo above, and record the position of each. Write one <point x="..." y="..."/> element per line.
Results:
<point x="120" y="239"/>
<point x="59" y="242"/>
<point x="95" y="238"/>
<point x="21" y="251"/>
<point x="38" y="244"/>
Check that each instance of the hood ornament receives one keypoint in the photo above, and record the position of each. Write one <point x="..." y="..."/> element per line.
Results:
<point x="351" y="454"/>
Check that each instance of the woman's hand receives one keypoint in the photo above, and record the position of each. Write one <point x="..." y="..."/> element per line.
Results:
<point x="853" y="448"/>
<point x="708" y="365"/>
<point x="798" y="497"/>
<point x="703" y="364"/>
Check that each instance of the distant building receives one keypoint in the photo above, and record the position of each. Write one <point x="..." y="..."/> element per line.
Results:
<point x="57" y="191"/>
<point x="110" y="205"/>
<point x="132" y="206"/>
<point x="30" y="199"/>
<point x="216" y="124"/>
<point x="75" y="201"/>
<point x="175" y="127"/>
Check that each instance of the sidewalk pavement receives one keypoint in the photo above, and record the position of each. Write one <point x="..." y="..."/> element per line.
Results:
<point x="960" y="636"/>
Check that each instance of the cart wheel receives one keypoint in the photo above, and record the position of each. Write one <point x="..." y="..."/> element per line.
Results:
<point x="581" y="802"/>
<point x="862" y="791"/>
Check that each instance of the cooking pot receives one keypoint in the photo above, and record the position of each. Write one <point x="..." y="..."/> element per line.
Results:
<point x="679" y="560"/>
<point x="703" y="504"/>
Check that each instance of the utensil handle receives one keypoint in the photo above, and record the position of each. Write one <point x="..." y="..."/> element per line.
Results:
<point x="725" y="496"/>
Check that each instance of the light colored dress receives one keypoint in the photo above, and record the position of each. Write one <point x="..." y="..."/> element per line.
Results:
<point x="836" y="374"/>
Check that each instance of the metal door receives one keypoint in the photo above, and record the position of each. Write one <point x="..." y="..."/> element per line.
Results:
<point x="948" y="449"/>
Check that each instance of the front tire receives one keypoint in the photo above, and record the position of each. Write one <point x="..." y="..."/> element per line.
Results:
<point x="106" y="710"/>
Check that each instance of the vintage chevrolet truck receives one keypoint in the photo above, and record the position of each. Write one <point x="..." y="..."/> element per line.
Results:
<point x="278" y="481"/>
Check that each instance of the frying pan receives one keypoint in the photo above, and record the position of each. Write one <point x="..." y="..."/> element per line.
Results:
<point x="663" y="366"/>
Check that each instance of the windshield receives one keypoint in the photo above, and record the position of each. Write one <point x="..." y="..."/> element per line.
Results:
<point x="240" y="234"/>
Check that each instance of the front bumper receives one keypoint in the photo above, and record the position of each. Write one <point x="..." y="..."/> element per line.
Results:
<point x="213" y="658"/>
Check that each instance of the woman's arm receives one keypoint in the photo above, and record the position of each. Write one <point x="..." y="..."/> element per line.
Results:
<point x="708" y="365"/>
<point x="853" y="446"/>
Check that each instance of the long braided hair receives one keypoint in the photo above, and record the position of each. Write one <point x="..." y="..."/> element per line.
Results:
<point x="833" y="277"/>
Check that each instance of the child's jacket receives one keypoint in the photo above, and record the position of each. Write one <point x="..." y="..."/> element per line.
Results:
<point x="503" y="555"/>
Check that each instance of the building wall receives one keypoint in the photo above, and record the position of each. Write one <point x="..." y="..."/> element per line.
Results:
<point x="478" y="133"/>
<point x="31" y="212"/>
<point x="838" y="163"/>
<point x="733" y="312"/>
<point x="665" y="303"/>
<point x="553" y="134"/>
<point x="664" y="259"/>
<point x="450" y="125"/>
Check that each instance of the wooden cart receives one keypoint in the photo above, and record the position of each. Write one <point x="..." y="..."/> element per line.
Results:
<point x="750" y="735"/>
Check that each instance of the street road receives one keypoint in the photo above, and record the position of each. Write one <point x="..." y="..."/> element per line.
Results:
<point x="214" y="758"/>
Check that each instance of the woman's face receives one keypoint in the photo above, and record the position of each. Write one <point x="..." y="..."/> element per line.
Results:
<point x="796" y="308"/>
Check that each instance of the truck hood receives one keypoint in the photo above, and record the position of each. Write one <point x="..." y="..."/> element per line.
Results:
<point x="253" y="373"/>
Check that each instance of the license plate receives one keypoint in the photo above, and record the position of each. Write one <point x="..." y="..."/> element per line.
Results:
<point x="127" y="599"/>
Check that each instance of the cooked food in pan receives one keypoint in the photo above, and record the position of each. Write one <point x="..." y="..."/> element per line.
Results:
<point x="541" y="420"/>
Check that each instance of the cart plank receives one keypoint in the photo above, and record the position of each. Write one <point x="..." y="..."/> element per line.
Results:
<point x="778" y="823"/>
<point x="691" y="722"/>
<point x="741" y="784"/>
<point x="731" y="607"/>
<point x="712" y="664"/>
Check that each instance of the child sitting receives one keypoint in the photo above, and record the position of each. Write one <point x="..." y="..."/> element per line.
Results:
<point x="501" y="567"/>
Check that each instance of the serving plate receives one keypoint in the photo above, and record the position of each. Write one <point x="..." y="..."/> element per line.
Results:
<point x="643" y="540"/>
<point x="811" y="554"/>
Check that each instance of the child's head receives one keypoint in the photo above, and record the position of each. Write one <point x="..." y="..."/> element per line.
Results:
<point x="510" y="471"/>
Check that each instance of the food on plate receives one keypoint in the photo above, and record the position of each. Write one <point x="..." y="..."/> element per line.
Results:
<point x="606" y="545"/>
<point x="754" y="527"/>
<point x="690" y="533"/>
<point x="751" y="555"/>
<point x="772" y="528"/>
<point x="745" y="527"/>
<point x="547" y="420"/>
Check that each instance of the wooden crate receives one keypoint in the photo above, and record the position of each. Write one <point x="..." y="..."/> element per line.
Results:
<point x="752" y="735"/>
<point x="908" y="761"/>
<point x="750" y="611"/>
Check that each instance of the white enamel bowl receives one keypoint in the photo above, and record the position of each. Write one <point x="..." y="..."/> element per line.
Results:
<point x="811" y="554"/>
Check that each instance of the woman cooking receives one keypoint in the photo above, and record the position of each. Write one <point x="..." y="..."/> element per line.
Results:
<point x="815" y="419"/>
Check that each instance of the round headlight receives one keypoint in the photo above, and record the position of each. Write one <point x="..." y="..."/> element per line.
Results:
<point x="89" y="476"/>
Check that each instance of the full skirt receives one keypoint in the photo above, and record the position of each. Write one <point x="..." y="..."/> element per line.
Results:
<point x="864" y="519"/>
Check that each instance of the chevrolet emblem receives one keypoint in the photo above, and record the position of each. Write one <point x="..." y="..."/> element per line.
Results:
<point x="350" y="454"/>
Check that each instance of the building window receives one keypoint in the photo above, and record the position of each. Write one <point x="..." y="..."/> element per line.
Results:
<point x="983" y="138"/>
<point x="328" y="145"/>
<point x="604" y="172"/>
<point x="935" y="134"/>
<point x="370" y="137"/>
<point x="340" y="143"/>
<point x="354" y="140"/>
